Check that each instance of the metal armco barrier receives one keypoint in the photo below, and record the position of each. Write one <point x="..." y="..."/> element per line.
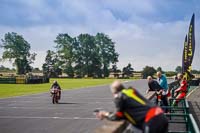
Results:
<point x="23" y="80"/>
<point x="7" y="81"/>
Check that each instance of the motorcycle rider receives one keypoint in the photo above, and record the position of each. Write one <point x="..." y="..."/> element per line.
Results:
<point x="56" y="85"/>
<point x="132" y="106"/>
<point x="182" y="90"/>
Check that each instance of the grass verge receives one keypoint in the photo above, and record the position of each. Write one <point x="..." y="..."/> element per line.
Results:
<point x="10" y="90"/>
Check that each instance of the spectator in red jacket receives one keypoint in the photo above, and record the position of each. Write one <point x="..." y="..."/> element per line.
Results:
<point x="182" y="90"/>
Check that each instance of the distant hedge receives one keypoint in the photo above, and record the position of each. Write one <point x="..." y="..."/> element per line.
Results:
<point x="24" y="80"/>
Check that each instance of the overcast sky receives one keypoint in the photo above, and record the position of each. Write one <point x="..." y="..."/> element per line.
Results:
<point x="146" y="32"/>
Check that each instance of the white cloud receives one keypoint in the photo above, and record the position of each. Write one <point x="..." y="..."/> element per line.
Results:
<point x="131" y="6"/>
<point x="159" y="44"/>
<point x="139" y="40"/>
<point x="156" y="45"/>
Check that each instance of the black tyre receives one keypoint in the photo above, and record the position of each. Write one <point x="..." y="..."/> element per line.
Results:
<point x="54" y="99"/>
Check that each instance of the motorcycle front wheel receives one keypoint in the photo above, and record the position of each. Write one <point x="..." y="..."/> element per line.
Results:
<point x="54" y="99"/>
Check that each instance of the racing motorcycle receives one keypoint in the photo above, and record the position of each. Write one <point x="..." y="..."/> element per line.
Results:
<point x="55" y="94"/>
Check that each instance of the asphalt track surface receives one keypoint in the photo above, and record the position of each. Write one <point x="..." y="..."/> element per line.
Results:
<point x="74" y="113"/>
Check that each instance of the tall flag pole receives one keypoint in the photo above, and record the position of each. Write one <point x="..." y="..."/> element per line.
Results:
<point x="188" y="52"/>
<point x="185" y="57"/>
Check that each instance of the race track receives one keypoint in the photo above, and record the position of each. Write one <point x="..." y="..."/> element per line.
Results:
<point x="74" y="114"/>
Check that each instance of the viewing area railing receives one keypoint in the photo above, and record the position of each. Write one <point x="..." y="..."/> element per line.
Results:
<point x="180" y="120"/>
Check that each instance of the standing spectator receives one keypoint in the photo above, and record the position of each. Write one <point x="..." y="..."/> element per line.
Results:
<point x="162" y="80"/>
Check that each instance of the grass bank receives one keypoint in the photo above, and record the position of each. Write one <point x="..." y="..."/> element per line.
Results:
<point x="10" y="90"/>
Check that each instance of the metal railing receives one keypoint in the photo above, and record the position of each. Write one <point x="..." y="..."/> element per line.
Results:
<point x="180" y="114"/>
<point x="188" y="120"/>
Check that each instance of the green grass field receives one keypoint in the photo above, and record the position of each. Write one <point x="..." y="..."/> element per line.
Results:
<point x="10" y="90"/>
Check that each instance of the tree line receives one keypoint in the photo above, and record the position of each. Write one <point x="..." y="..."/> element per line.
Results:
<point x="84" y="55"/>
<point x="80" y="56"/>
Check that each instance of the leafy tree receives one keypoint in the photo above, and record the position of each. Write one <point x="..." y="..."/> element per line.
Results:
<point x="107" y="53"/>
<point x="65" y="53"/>
<point x="87" y="45"/>
<point x="170" y="73"/>
<point x="178" y="69"/>
<point x="3" y="68"/>
<point x="159" y="69"/>
<point x="79" y="63"/>
<point x="195" y="72"/>
<point x="148" y="71"/>
<point x="86" y="54"/>
<point x="6" y="69"/>
<point x="36" y="70"/>
<point x="115" y="70"/>
<point x="51" y="65"/>
<point x="128" y="70"/>
<point x="96" y="66"/>
<point x="17" y="49"/>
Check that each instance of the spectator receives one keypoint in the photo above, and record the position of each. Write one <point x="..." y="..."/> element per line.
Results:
<point x="162" y="80"/>
<point x="182" y="90"/>
<point x="154" y="86"/>
<point x="132" y="106"/>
